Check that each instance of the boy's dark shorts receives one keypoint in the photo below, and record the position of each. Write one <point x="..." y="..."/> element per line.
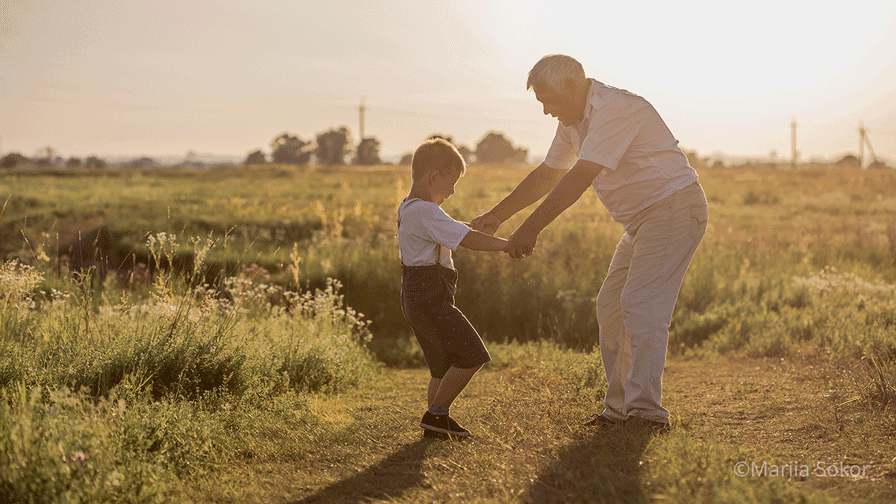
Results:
<point x="445" y="335"/>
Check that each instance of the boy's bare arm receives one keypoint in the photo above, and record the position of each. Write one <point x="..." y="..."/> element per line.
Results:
<point x="476" y="240"/>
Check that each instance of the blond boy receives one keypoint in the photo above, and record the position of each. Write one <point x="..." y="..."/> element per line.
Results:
<point x="453" y="350"/>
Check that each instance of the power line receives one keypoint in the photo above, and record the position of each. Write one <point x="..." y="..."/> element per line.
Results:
<point x="432" y="115"/>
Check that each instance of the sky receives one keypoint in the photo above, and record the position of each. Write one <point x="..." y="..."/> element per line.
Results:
<point x="164" y="77"/>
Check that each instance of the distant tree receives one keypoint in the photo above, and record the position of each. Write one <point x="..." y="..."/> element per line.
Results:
<point x="144" y="162"/>
<point x="468" y="155"/>
<point x="73" y="162"/>
<point x="256" y="157"/>
<point x="695" y="160"/>
<point x="464" y="151"/>
<point x="192" y="160"/>
<point x="47" y="156"/>
<point x="12" y="160"/>
<point x="446" y="138"/>
<point x="94" y="162"/>
<point x="849" y="161"/>
<point x="494" y="148"/>
<point x="406" y="158"/>
<point x="333" y="146"/>
<point x="290" y="149"/>
<point x="368" y="152"/>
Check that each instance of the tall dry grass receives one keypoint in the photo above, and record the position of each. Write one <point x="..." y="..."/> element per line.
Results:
<point x="114" y="396"/>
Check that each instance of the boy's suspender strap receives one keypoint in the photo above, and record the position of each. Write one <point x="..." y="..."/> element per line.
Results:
<point x="398" y="213"/>
<point x="398" y="224"/>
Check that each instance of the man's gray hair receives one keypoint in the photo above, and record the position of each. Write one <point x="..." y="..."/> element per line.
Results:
<point x="554" y="70"/>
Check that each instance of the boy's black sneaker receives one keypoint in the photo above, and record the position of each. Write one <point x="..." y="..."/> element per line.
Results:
<point x="429" y="434"/>
<point x="443" y="424"/>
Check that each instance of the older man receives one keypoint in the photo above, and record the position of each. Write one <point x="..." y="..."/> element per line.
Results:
<point x="615" y="141"/>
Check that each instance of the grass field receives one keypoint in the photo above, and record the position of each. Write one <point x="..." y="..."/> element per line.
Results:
<point x="275" y="364"/>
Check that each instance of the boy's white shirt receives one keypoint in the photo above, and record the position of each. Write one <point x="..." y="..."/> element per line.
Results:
<point x="427" y="235"/>
<point x="623" y="132"/>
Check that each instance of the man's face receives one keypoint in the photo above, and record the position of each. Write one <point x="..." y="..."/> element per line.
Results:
<point x="568" y="107"/>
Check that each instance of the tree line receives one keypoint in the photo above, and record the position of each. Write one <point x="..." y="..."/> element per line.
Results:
<point x="331" y="147"/>
<point x="48" y="156"/>
<point x="334" y="147"/>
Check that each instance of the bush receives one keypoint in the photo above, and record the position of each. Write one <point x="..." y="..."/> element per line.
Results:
<point x="59" y="446"/>
<point x="115" y="401"/>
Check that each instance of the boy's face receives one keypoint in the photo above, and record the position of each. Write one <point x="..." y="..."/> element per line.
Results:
<point x="441" y="188"/>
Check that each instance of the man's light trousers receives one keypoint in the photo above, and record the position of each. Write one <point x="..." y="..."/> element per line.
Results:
<point x="635" y="303"/>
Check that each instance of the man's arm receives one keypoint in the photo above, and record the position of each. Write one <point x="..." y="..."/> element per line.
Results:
<point x="567" y="192"/>
<point x="539" y="181"/>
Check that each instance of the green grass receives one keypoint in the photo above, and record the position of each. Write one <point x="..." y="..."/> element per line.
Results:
<point x="169" y="389"/>
<point x="340" y="224"/>
<point x="118" y="403"/>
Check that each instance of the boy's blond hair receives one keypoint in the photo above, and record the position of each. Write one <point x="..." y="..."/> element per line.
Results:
<point x="437" y="154"/>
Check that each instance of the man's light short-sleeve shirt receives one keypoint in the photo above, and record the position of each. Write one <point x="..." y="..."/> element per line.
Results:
<point x="623" y="133"/>
<point x="427" y="235"/>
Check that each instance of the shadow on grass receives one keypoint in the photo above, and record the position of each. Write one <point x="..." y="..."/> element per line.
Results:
<point x="389" y="478"/>
<point x="600" y="466"/>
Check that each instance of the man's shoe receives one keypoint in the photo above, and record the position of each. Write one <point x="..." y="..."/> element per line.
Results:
<point x="443" y="424"/>
<point x="638" y="423"/>
<point x="599" y="420"/>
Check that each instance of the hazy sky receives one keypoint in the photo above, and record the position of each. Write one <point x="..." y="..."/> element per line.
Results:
<point x="163" y="77"/>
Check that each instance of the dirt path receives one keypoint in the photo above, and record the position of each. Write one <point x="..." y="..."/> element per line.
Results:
<point x="772" y="411"/>
<point x="787" y="413"/>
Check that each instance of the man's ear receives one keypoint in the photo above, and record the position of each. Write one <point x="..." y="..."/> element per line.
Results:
<point x="569" y="85"/>
<point x="572" y="86"/>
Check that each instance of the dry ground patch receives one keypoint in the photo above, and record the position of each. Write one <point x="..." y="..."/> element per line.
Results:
<point x="786" y="412"/>
<point x="530" y="447"/>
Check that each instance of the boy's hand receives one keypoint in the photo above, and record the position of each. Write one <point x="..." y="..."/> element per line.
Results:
<point x="487" y="223"/>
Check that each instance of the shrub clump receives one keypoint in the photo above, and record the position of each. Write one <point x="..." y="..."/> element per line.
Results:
<point x="114" y="400"/>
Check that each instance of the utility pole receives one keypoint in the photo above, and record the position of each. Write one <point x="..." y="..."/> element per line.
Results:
<point x="861" y="144"/>
<point x="361" y="121"/>
<point x="863" y="140"/>
<point x="793" y="143"/>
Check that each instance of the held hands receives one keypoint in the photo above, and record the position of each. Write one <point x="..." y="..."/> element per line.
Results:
<point x="487" y="223"/>
<point x="521" y="243"/>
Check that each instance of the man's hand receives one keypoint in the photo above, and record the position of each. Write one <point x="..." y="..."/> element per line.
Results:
<point x="565" y="193"/>
<point x="521" y="243"/>
<point x="487" y="223"/>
